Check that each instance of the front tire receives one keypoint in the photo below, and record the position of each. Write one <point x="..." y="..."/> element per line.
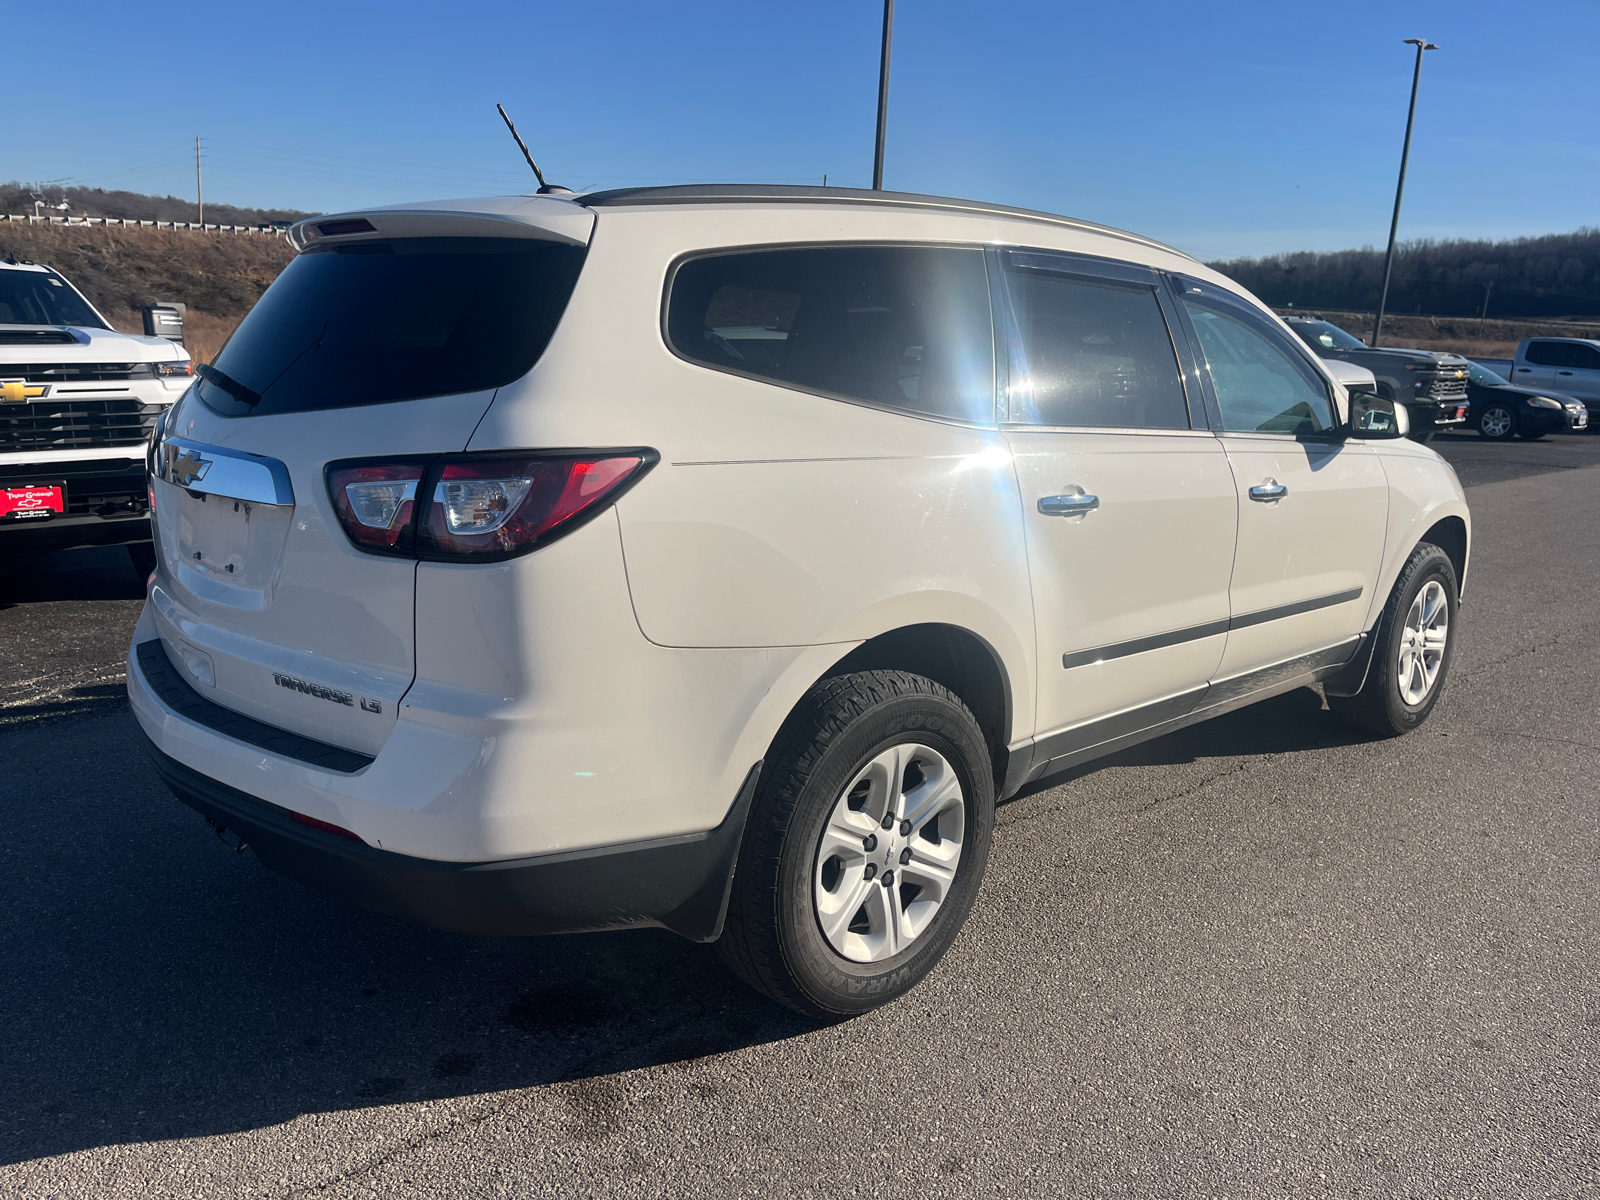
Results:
<point x="1497" y="422"/>
<point x="1415" y="643"/>
<point x="865" y="846"/>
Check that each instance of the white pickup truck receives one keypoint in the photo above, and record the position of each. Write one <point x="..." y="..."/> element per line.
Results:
<point x="1570" y="366"/>
<point x="78" y="402"/>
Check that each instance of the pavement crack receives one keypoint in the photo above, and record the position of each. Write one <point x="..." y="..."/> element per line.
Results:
<point x="1539" y="737"/>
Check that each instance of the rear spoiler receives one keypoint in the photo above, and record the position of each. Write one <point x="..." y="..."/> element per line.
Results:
<point x="540" y="218"/>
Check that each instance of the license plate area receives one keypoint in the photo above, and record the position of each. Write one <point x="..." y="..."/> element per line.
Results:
<point x="233" y="542"/>
<point x="32" y="501"/>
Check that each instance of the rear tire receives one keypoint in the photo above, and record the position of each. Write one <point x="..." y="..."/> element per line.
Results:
<point x="817" y="923"/>
<point x="1497" y="422"/>
<point x="1415" y="643"/>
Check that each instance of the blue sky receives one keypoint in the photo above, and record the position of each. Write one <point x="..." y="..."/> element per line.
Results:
<point x="1225" y="128"/>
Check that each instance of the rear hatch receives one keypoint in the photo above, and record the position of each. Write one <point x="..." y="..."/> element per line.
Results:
<point x="385" y="338"/>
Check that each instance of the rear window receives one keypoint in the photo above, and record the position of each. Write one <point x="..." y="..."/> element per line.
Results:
<point x="42" y="298"/>
<point x="906" y="327"/>
<point x="373" y="322"/>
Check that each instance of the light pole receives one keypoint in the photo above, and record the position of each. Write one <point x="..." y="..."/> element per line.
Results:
<point x="1422" y="45"/>
<point x="883" y="95"/>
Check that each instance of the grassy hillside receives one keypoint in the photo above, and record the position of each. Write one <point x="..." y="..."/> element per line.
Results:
<point x="1460" y="335"/>
<point x="218" y="275"/>
<point x="135" y="206"/>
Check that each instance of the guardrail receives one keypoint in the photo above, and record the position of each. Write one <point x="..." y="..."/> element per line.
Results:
<point x="129" y="223"/>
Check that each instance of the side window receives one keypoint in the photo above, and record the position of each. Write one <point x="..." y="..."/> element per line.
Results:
<point x="903" y="326"/>
<point x="1093" y="353"/>
<point x="1261" y="387"/>
<point x="1584" y="357"/>
<point x="1546" y="354"/>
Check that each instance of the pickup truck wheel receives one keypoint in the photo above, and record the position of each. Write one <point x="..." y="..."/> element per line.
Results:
<point x="1415" y="642"/>
<point x="1497" y="422"/>
<point x="865" y="845"/>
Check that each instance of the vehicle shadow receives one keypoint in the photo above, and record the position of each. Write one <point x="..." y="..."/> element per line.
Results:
<point x="102" y="573"/>
<point x="160" y="986"/>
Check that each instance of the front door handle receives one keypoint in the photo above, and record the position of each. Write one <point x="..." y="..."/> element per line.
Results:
<point x="1269" y="491"/>
<point x="1563" y="372"/>
<point x="1068" y="506"/>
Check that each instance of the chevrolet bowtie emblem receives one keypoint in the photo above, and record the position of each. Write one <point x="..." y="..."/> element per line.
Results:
<point x="18" y="391"/>
<point x="185" y="467"/>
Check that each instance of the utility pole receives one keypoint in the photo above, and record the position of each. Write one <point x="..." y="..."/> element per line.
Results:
<point x="1484" y="316"/>
<point x="883" y="95"/>
<point x="200" y="196"/>
<point x="1422" y="45"/>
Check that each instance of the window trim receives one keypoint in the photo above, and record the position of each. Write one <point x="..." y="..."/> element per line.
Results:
<point x="1539" y="343"/>
<point x="1100" y="272"/>
<point x="689" y="256"/>
<point x="1292" y="346"/>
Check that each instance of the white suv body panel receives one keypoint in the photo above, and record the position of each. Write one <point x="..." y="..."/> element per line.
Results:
<point x="617" y="685"/>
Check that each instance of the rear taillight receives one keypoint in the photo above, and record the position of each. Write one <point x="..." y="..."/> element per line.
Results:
<point x="477" y="507"/>
<point x="376" y="501"/>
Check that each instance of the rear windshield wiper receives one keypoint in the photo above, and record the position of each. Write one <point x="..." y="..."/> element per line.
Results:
<point x="229" y="384"/>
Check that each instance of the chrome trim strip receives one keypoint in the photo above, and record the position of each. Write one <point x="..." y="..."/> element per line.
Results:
<point x="219" y="471"/>
<point x="1083" y="658"/>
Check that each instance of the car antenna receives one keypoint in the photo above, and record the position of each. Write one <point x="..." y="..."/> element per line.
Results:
<point x="545" y="189"/>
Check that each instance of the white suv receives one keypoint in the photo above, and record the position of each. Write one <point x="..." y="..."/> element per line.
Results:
<point x="716" y="558"/>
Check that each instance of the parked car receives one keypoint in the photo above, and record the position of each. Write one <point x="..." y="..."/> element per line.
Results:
<point x="1432" y="385"/>
<point x="1501" y="411"/>
<point x="78" y="402"/>
<point x="694" y="559"/>
<point x="1569" y="365"/>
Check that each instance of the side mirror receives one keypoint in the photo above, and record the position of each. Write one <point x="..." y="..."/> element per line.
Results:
<point x="1377" y="418"/>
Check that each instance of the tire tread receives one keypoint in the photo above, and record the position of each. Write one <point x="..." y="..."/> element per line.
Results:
<point x="749" y="943"/>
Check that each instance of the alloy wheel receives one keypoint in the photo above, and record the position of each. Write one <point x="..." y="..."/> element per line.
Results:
<point x="888" y="856"/>
<point x="1422" y="643"/>
<point x="1496" y="422"/>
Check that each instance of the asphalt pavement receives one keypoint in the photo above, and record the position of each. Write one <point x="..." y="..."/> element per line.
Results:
<point x="1263" y="957"/>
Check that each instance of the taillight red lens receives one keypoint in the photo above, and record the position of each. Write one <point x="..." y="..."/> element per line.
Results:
<point x="375" y="502"/>
<point x="497" y="507"/>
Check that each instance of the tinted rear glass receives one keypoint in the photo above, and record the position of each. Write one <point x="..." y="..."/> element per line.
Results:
<point x="372" y="322"/>
<point x="42" y="298"/>
<point x="903" y="326"/>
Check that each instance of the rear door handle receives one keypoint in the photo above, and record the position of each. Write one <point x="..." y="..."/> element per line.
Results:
<point x="1068" y="506"/>
<point x="1268" y="491"/>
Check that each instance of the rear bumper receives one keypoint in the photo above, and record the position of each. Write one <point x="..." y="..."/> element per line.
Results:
<point x="677" y="883"/>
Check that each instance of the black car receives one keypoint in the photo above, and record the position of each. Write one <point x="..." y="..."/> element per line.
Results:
<point x="1500" y="410"/>
<point x="1430" y="383"/>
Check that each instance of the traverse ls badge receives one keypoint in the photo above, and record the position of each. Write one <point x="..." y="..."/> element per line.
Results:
<point x="333" y="695"/>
